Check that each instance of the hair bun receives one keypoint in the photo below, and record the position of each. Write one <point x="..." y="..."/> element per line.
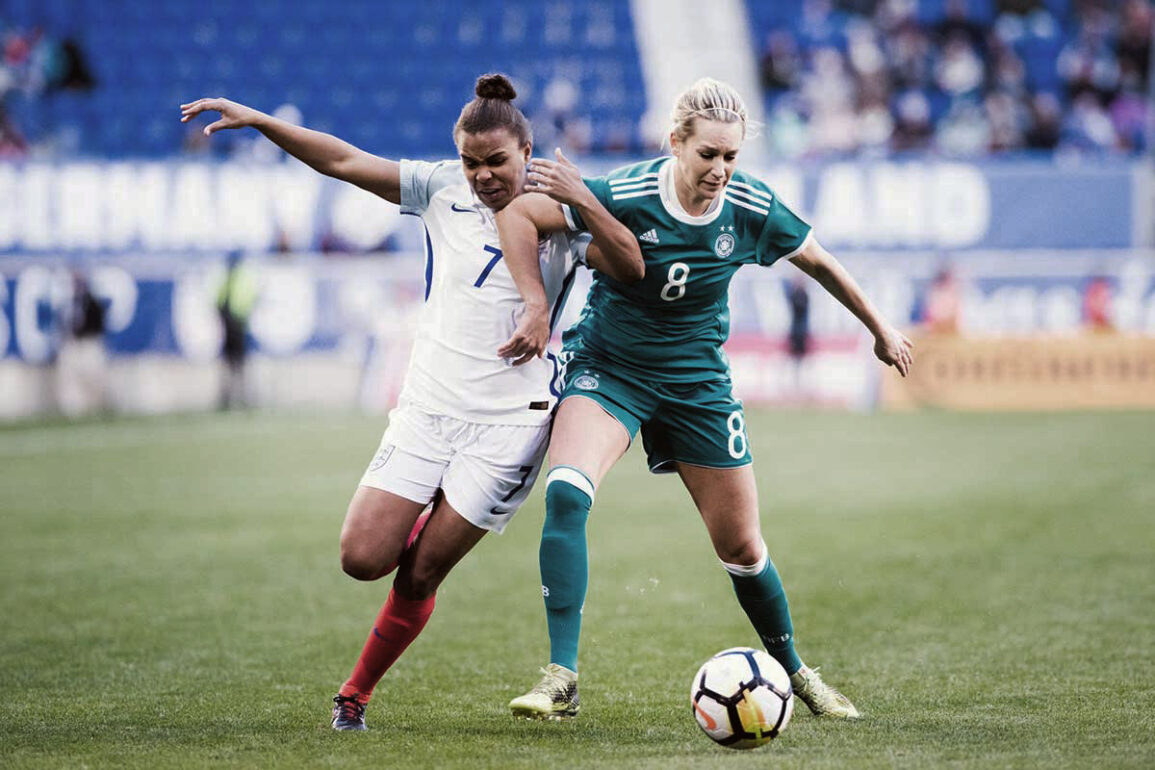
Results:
<point x="495" y="86"/>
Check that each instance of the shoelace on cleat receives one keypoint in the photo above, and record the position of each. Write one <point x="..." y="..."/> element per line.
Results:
<point x="348" y="707"/>
<point x="547" y="684"/>
<point x="550" y="685"/>
<point x="818" y="687"/>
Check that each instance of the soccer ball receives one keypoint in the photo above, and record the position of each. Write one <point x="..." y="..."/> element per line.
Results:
<point x="742" y="698"/>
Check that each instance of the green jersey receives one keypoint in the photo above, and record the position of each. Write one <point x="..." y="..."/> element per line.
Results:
<point x="670" y="326"/>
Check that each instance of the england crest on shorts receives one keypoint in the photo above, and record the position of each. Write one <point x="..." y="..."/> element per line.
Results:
<point x="381" y="457"/>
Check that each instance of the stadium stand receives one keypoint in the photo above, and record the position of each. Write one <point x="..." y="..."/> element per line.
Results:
<point x="957" y="77"/>
<point x="920" y="113"/>
<point x="354" y="72"/>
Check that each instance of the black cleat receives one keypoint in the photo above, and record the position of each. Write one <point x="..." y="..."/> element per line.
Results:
<point x="348" y="713"/>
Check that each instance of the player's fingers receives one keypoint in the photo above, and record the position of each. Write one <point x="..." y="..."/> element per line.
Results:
<point x="524" y="359"/>
<point x="212" y="128"/>
<point x="516" y="348"/>
<point x="514" y="355"/>
<point x="561" y="158"/>
<point x="510" y="347"/>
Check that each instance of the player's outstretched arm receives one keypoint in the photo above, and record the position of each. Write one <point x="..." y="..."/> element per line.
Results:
<point x="518" y="225"/>
<point x="615" y="250"/>
<point x="323" y="152"/>
<point x="890" y="345"/>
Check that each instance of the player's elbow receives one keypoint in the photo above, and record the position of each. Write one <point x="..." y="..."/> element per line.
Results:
<point x="631" y="268"/>
<point x="621" y="261"/>
<point x="635" y="268"/>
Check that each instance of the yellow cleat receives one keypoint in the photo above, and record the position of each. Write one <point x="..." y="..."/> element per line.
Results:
<point x="822" y="699"/>
<point x="554" y="697"/>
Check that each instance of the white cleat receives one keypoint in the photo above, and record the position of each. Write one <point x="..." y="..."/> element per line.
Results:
<point x="822" y="699"/>
<point x="554" y="697"/>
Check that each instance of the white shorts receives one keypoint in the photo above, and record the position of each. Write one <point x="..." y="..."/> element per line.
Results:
<point x="485" y="471"/>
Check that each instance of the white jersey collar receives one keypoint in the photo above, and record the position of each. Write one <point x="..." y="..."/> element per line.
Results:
<point x="669" y="196"/>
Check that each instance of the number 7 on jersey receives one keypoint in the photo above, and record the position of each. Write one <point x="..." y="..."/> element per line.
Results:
<point x="488" y="268"/>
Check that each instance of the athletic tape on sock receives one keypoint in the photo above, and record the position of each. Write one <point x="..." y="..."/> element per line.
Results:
<point x="749" y="570"/>
<point x="573" y="477"/>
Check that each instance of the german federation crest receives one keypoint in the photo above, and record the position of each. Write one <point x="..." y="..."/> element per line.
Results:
<point x="724" y="246"/>
<point x="586" y="381"/>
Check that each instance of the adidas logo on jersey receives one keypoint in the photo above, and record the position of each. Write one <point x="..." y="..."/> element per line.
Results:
<point x="650" y="236"/>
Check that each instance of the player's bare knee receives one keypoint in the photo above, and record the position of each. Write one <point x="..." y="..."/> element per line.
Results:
<point x="358" y="570"/>
<point x="359" y="564"/>
<point x="744" y="554"/>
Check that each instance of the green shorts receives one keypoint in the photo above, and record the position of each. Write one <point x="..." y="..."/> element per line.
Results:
<point x="698" y="423"/>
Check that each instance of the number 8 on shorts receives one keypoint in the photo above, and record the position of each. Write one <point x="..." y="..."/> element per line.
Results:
<point x="737" y="428"/>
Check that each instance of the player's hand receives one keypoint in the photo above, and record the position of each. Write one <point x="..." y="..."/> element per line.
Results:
<point x="560" y="180"/>
<point x="529" y="337"/>
<point x="233" y="115"/>
<point x="893" y="348"/>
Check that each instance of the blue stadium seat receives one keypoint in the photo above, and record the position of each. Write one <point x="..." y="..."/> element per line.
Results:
<point x="391" y="74"/>
<point x="934" y="11"/>
<point x="1040" y="57"/>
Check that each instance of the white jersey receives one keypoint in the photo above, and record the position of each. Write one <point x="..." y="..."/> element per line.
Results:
<point x="471" y="305"/>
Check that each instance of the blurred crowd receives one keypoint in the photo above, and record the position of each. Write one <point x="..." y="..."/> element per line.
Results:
<point x="841" y="77"/>
<point x="33" y="65"/>
<point x="873" y="77"/>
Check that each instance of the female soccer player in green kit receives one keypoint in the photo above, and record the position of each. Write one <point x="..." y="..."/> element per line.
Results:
<point x="648" y="356"/>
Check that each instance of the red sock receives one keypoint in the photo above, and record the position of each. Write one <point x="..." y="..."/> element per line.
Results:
<point x="398" y="624"/>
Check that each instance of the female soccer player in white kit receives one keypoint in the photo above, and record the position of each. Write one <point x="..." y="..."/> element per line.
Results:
<point x="470" y="429"/>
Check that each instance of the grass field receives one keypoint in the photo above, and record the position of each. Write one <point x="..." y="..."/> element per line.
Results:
<point x="982" y="586"/>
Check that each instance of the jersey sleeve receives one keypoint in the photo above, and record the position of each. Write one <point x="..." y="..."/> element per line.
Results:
<point x="600" y="187"/>
<point x="580" y="244"/>
<point x="783" y="235"/>
<point x="420" y="181"/>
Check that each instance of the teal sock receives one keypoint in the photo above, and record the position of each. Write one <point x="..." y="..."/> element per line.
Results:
<point x="760" y="592"/>
<point x="564" y="560"/>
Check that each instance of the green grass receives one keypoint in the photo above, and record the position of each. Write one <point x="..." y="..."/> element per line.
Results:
<point x="983" y="586"/>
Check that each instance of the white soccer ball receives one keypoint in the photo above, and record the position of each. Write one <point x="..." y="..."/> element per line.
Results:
<point x="742" y="698"/>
